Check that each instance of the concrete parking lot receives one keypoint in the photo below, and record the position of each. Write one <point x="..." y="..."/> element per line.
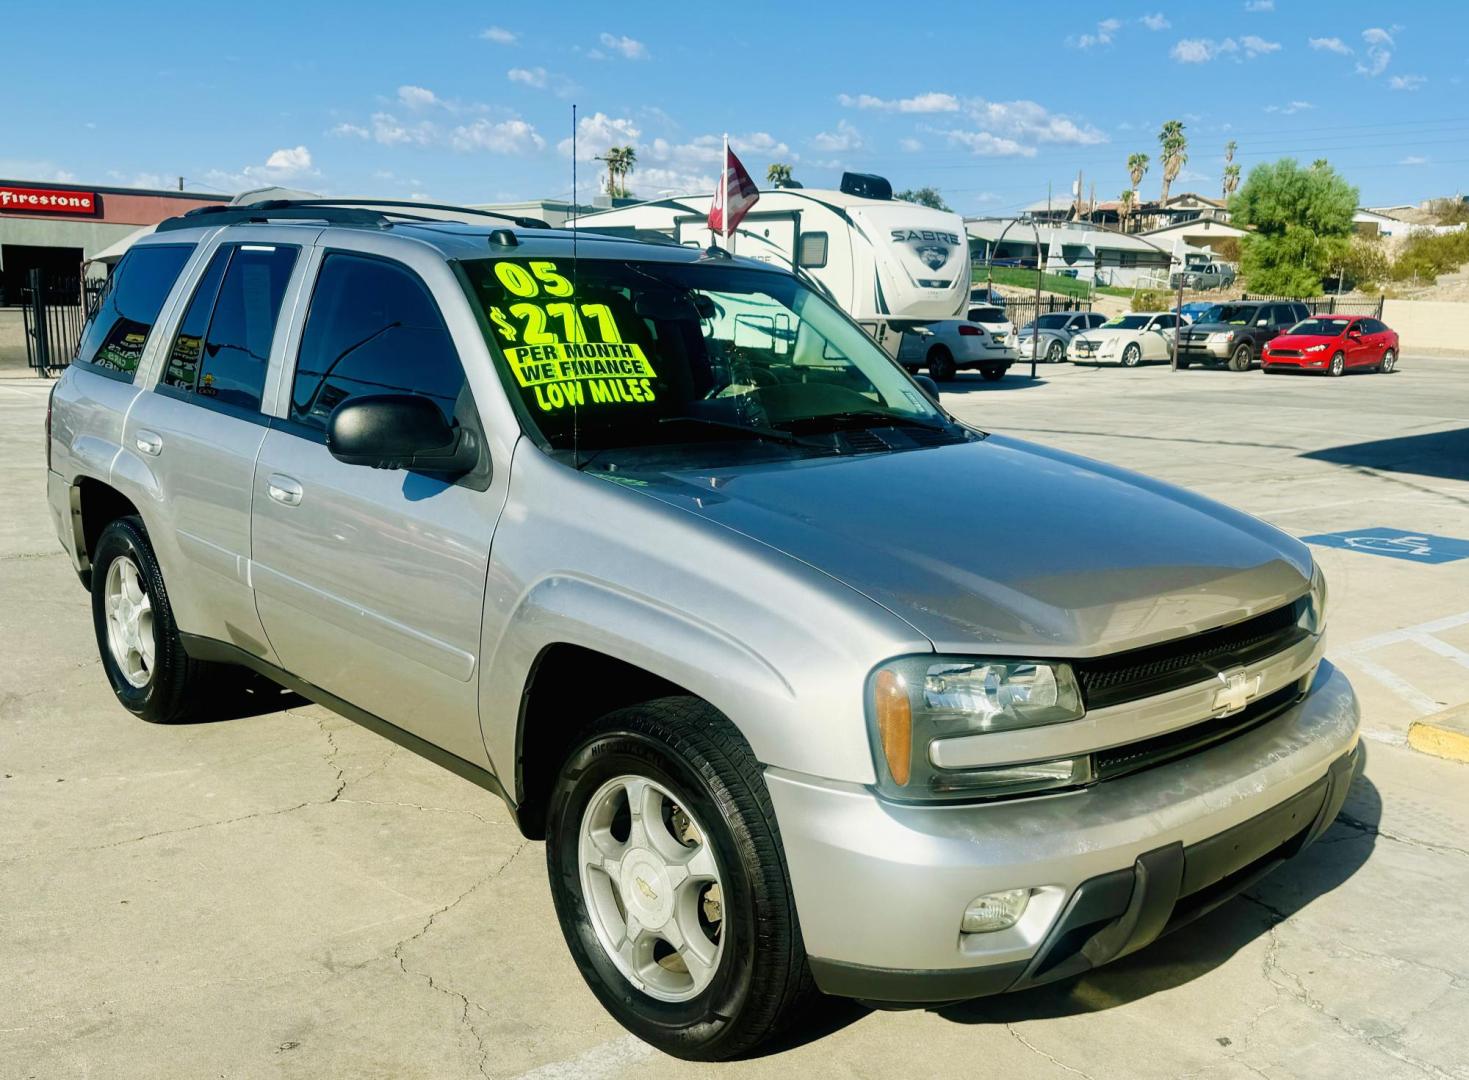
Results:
<point x="284" y="894"/>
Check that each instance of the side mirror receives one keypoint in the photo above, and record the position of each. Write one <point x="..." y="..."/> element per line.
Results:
<point x="928" y="386"/>
<point x="399" y="431"/>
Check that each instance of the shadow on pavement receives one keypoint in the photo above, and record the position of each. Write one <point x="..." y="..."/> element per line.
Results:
<point x="241" y="694"/>
<point x="1201" y="946"/>
<point x="1440" y="454"/>
<point x="971" y="382"/>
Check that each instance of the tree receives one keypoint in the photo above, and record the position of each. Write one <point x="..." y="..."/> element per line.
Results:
<point x="1231" y="178"/>
<point x="1300" y="219"/>
<point x="1229" y="148"/>
<point x="779" y="174"/>
<point x="1175" y="153"/>
<point x="924" y="196"/>
<point x="1125" y="203"/>
<point x="620" y="162"/>
<point x="1137" y="167"/>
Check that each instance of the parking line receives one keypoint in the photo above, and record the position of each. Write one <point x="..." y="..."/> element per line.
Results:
<point x="1400" y="686"/>
<point x="602" y="1061"/>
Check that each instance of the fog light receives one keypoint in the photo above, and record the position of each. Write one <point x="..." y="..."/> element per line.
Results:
<point x="994" y="911"/>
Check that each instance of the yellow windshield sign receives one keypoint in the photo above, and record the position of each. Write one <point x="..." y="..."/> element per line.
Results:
<point x="578" y="373"/>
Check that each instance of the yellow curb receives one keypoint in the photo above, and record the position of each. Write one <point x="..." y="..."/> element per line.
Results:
<point x="1444" y="734"/>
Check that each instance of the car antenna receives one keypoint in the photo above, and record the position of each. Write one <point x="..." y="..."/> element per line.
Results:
<point x="575" y="290"/>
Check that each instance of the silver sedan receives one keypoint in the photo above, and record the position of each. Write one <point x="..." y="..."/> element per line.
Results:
<point x="1049" y="337"/>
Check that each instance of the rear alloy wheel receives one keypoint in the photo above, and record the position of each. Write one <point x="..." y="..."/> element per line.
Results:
<point x="1055" y="352"/>
<point x="1389" y="362"/>
<point x="991" y="373"/>
<point x="1338" y="365"/>
<point x="670" y="882"/>
<point x="1132" y="355"/>
<point x="941" y="363"/>
<point x="1239" y="360"/>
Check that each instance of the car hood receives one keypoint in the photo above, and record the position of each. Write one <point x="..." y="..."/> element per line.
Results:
<point x="1302" y="341"/>
<point x="1000" y="544"/>
<point x="1217" y="327"/>
<point x="1102" y="334"/>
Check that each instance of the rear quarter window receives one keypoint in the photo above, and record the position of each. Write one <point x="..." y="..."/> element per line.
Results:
<point x="113" y="340"/>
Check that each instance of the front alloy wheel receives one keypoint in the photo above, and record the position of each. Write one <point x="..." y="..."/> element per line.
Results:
<point x="1240" y="360"/>
<point x="1389" y="362"/>
<point x="1338" y="365"/>
<point x="1132" y="355"/>
<point x="129" y="612"/>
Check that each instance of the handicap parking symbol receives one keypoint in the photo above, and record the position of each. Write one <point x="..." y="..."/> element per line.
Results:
<point x="1396" y="544"/>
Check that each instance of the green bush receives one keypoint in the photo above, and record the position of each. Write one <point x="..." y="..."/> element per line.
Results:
<point x="1425" y="255"/>
<point x="1366" y="264"/>
<point x="1151" y="300"/>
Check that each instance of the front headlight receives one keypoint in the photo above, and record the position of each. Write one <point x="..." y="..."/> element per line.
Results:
<point x="1313" y="615"/>
<point x="1222" y="338"/>
<point x="1315" y="348"/>
<point x="916" y="703"/>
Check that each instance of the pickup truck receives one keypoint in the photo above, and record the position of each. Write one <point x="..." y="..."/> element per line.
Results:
<point x="1203" y="275"/>
<point x="660" y="548"/>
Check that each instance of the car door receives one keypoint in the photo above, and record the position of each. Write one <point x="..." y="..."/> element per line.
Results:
<point x="1359" y="345"/>
<point x="1158" y="339"/>
<point x="370" y="583"/>
<point x="200" y="427"/>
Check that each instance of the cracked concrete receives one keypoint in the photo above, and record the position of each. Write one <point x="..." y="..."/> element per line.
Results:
<point x="287" y="895"/>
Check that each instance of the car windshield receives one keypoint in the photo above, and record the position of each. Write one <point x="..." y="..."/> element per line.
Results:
<point x="612" y="355"/>
<point x="1126" y="322"/>
<point x="1328" y="327"/>
<point x="986" y="315"/>
<point x="1049" y="322"/>
<point x="1233" y="314"/>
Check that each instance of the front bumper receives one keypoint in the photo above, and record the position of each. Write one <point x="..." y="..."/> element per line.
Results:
<point x="1200" y="350"/>
<point x="880" y="887"/>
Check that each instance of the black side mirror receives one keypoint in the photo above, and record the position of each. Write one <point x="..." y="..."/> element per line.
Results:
<point x="928" y="386"/>
<point x="399" y="431"/>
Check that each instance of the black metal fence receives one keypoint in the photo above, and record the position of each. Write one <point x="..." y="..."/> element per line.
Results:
<point x="1022" y="310"/>
<point x="53" y="311"/>
<point x="1328" y="305"/>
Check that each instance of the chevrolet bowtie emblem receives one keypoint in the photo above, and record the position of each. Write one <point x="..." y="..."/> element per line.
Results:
<point x="1237" y="690"/>
<point x="646" y="889"/>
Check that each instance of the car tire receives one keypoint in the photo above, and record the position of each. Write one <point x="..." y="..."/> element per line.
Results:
<point x="1055" y="352"/>
<point x="747" y="979"/>
<point x="142" y="653"/>
<point x="991" y="373"/>
<point x="1389" y="362"/>
<point x="1184" y="363"/>
<point x="1338" y="365"/>
<point x="1239" y="360"/>
<point x="941" y="363"/>
<point x="1132" y="355"/>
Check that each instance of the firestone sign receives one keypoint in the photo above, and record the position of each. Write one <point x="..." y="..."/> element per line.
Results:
<point x="48" y="201"/>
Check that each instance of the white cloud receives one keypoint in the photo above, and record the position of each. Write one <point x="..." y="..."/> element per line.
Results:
<point x="1258" y="46"/>
<point x="536" y="77"/>
<point x="910" y="146"/>
<point x="656" y="179"/>
<point x="1106" y="29"/>
<point x="1033" y="121"/>
<point x="1203" y="50"/>
<point x="351" y="131"/>
<point x="597" y="133"/>
<point x="844" y="139"/>
<point x="1193" y="51"/>
<point x="1406" y="82"/>
<point x="1379" y="52"/>
<point x="502" y="137"/>
<point x="143" y="180"/>
<point x="625" y="47"/>
<point x="284" y="166"/>
<point x="1156" y="22"/>
<point x="1330" y="44"/>
<point x="985" y="144"/>
<point x="416" y="97"/>
<point x="1259" y="5"/>
<point x="291" y="161"/>
<point x="388" y="130"/>
<point x="1290" y="107"/>
<point x="931" y="102"/>
<point x="499" y="35"/>
<point x="45" y="171"/>
<point x="1414" y="159"/>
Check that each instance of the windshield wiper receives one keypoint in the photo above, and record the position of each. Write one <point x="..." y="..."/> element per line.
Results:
<point x="747" y="430"/>
<point x="868" y="418"/>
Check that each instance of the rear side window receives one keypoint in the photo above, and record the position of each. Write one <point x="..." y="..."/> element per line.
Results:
<point x="114" y="337"/>
<point x="223" y="346"/>
<point x="373" y="328"/>
<point x="813" y="250"/>
<point x="1372" y="326"/>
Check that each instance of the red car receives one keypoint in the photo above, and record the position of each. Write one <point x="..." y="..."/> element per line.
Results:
<point x="1332" y="345"/>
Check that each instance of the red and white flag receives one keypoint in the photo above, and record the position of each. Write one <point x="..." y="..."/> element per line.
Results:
<point x="735" y="192"/>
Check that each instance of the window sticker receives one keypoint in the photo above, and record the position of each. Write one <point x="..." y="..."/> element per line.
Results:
<point x="563" y="352"/>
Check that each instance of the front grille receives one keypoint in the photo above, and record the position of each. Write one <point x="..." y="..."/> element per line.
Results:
<point x="1136" y="756"/>
<point x="1285" y="352"/>
<point x="1156" y="669"/>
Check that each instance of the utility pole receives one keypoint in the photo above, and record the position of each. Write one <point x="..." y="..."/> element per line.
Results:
<point x="181" y="183"/>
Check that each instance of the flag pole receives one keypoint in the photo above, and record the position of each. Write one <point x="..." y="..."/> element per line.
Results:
<point x="724" y="195"/>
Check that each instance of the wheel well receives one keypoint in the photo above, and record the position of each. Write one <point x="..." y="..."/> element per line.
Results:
<point x="938" y="349"/>
<point x="101" y="505"/>
<point x="569" y="689"/>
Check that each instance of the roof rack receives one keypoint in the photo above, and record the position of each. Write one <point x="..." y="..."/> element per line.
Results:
<point x="333" y="211"/>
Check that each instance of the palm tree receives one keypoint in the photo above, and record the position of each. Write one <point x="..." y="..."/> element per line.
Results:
<point x="1175" y="153"/>
<point x="1231" y="178"/>
<point x="1126" y="201"/>
<point x="1229" y="148"/>
<point x="620" y="162"/>
<point x="1137" y="166"/>
<point x="779" y="174"/>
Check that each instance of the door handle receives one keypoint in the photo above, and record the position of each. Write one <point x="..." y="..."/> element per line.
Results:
<point x="148" y="442"/>
<point x="283" y="489"/>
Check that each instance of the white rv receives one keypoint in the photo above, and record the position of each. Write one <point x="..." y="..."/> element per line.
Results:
<point x="895" y="267"/>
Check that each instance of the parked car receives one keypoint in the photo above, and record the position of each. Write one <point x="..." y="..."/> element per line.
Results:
<point x="669" y="555"/>
<point x="1203" y="275"/>
<point x="1235" y="333"/>
<point x="948" y="346"/>
<point x="1194" y="308"/>
<point x="1128" y="339"/>
<point x="1049" y="336"/>
<point x="981" y="294"/>
<point x="994" y="320"/>
<point x="1333" y="345"/>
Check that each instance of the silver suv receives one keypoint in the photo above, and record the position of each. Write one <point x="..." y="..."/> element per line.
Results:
<point x="658" y="547"/>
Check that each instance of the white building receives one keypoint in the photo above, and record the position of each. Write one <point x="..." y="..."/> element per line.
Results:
<point x="1077" y="249"/>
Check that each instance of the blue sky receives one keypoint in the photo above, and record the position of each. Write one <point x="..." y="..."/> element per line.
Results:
<point x="472" y="102"/>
